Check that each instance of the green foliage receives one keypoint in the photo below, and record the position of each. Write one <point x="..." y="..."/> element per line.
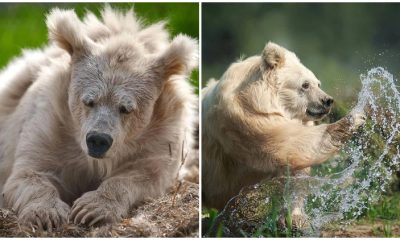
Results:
<point x="270" y="227"/>
<point x="23" y="24"/>
<point x="194" y="80"/>
<point x="209" y="221"/>
<point x="387" y="230"/>
<point x="337" y="41"/>
<point x="386" y="211"/>
<point x="387" y="208"/>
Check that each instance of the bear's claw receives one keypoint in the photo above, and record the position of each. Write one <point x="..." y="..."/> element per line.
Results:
<point x="44" y="216"/>
<point x="91" y="209"/>
<point x="358" y="119"/>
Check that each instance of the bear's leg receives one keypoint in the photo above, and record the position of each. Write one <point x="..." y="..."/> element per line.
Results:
<point x="35" y="199"/>
<point x="299" y="219"/>
<point x="305" y="146"/>
<point x="342" y="130"/>
<point x="338" y="132"/>
<point x="114" y="197"/>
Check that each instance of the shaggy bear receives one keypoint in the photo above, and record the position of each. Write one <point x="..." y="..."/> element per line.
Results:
<point x="97" y="121"/>
<point x="258" y="119"/>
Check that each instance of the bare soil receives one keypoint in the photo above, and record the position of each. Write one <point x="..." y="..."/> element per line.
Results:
<point x="377" y="228"/>
<point x="173" y="215"/>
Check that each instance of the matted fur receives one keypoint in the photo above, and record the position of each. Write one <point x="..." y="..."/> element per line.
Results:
<point x="52" y="98"/>
<point x="258" y="118"/>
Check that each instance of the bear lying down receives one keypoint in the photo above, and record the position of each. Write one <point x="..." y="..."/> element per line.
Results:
<point x="95" y="122"/>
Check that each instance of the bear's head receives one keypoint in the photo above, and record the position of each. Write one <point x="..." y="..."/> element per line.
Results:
<point x="297" y="89"/>
<point x="115" y="82"/>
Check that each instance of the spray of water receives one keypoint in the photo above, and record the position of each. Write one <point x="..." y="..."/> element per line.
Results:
<point x="340" y="189"/>
<point x="364" y="167"/>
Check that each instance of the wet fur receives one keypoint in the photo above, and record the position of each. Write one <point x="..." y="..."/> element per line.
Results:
<point x="254" y="123"/>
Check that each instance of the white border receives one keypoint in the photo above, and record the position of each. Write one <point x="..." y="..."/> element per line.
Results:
<point x="200" y="5"/>
<point x="200" y="120"/>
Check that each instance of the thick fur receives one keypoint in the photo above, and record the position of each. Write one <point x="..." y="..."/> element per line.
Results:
<point x="53" y="97"/>
<point x="258" y="118"/>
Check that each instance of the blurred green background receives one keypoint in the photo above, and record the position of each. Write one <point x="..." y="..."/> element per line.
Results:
<point x="23" y="24"/>
<point x="337" y="41"/>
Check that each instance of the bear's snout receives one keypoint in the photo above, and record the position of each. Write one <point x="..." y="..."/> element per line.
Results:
<point x="327" y="101"/>
<point x="98" y="144"/>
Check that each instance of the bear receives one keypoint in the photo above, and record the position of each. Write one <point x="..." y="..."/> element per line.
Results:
<point x="258" y="120"/>
<point x="97" y="121"/>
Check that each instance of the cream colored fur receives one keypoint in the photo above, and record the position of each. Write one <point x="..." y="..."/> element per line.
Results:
<point x="46" y="174"/>
<point x="258" y="118"/>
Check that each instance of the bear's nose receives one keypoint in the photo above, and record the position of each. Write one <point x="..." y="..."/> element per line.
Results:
<point x="327" y="102"/>
<point x="98" y="144"/>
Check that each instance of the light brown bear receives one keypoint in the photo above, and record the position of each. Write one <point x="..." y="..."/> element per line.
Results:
<point x="97" y="121"/>
<point x="258" y="119"/>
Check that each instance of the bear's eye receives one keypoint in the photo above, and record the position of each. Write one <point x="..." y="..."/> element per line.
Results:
<point x="123" y="110"/>
<point x="89" y="103"/>
<point x="305" y="85"/>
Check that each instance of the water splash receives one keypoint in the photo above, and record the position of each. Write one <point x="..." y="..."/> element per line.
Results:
<point x="338" y="190"/>
<point x="365" y="165"/>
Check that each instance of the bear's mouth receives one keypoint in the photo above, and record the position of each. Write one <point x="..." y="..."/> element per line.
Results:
<point x="317" y="113"/>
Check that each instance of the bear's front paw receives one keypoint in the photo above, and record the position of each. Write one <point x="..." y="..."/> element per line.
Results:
<point x="44" y="215"/>
<point x="299" y="221"/>
<point x="93" y="209"/>
<point x="358" y="119"/>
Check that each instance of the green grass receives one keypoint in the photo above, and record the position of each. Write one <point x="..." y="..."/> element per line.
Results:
<point x="381" y="219"/>
<point x="23" y="24"/>
<point x="210" y="215"/>
<point x="388" y="208"/>
<point x="387" y="230"/>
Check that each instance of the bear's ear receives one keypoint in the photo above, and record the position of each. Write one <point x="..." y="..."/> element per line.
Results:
<point x="181" y="57"/>
<point x="273" y="55"/>
<point x="66" y="30"/>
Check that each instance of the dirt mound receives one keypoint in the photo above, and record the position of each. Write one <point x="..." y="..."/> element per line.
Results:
<point x="174" y="215"/>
